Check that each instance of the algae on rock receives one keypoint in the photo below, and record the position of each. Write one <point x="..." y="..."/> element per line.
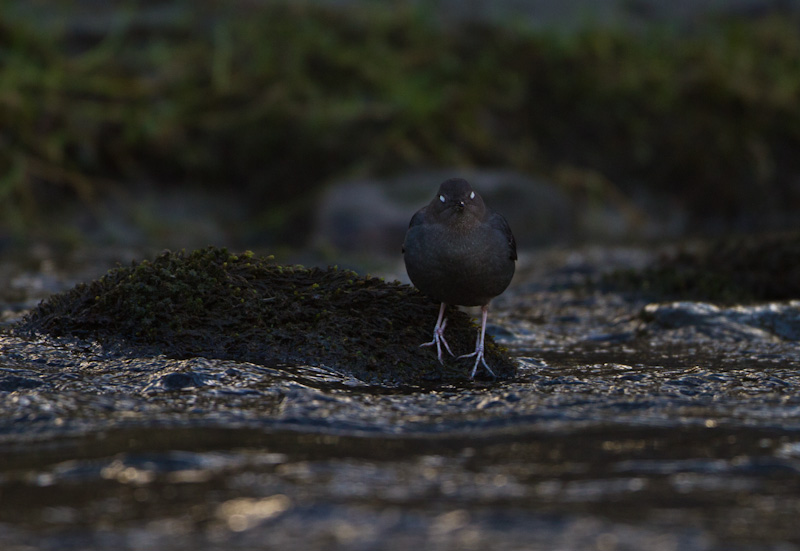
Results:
<point x="216" y="304"/>
<point x="730" y="270"/>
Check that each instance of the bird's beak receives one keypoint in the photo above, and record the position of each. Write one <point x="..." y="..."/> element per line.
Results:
<point x="460" y="205"/>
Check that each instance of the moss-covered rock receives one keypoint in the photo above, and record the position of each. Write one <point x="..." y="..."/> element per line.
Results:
<point x="732" y="270"/>
<point x="216" y="304"/>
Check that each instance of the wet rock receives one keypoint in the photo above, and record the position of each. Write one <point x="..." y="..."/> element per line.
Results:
<point x="177" y="381"/>
<point x="371" y="216"/>
<point x="213" y="304"/>
<point x="764" y="267"/>
<point x="10" y="383"/>
<point x="764" y="321"/>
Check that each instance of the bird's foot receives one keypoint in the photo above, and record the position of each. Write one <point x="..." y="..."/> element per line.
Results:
<point x="479" y="359"/>
<point x="439" y="340"/>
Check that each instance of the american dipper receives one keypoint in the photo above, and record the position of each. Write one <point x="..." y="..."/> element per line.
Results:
<point x="459" y="252"/>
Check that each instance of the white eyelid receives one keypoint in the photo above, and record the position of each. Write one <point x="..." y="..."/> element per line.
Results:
<point x="472" y="195"/>
<point x="441" y="198"/>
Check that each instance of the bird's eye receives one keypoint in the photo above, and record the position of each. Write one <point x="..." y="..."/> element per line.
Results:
<point x="472" y="195"/>
<point x="441" y="198"/>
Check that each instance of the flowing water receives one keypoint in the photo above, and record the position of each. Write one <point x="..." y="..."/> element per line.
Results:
<point x="620" y="431"/>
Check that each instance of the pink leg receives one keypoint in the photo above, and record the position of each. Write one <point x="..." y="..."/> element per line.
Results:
<point x="438" y="335"/>
<point x="479" y="359"/>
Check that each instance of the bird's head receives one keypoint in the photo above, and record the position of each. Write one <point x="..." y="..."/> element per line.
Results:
<point x="455" y="199"/>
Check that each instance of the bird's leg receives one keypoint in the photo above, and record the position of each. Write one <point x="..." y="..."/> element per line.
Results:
<point x="438" y="335"/>
<point x="479" y="359"/>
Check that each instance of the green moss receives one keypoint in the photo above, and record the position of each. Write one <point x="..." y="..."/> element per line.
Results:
<point x="242" y="307"/>
<point x="250" y="95"/>
<point x="731" y="270"/>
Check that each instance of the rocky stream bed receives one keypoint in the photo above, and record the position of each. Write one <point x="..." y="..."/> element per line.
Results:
<point x="628" y="423"/>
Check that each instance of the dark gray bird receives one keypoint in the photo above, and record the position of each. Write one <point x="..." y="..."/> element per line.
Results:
<point x="459" y="252"/>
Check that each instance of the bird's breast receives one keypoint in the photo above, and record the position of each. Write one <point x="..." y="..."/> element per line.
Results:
<point x="458" y="265"/>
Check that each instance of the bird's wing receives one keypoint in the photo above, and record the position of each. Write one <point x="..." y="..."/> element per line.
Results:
<point x="416" y="220"/>
<point x="497" y="221"/>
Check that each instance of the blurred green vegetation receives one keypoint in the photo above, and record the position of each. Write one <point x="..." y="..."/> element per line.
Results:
<point x="272" y="100"/>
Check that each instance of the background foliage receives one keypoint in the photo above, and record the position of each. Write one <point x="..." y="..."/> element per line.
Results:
<point x="273" y="100"/>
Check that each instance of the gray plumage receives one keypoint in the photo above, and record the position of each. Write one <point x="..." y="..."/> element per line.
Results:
<point x="459" y="252"/>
